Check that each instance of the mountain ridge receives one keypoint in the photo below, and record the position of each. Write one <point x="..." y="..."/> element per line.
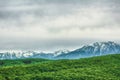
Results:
<point x="94" y="49"/>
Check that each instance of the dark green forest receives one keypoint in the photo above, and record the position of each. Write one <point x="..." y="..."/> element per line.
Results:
<point x="94" y="68"/>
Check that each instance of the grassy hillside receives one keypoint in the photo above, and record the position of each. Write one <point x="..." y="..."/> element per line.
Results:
<point x="96" y="68"/>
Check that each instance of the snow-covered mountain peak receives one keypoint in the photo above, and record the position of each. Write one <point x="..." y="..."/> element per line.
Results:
<point x="104" y="47"/>
<point x="94" y="49"/>
<point x="59" y="52"/>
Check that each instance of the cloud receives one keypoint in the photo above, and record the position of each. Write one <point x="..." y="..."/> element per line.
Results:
<point x="57" y="23"/>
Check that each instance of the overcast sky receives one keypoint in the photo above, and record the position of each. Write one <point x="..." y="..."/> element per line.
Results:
<point x="57" y="24"/>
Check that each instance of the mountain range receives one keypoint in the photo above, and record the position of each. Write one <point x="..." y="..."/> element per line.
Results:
<point x="94" y="49"/>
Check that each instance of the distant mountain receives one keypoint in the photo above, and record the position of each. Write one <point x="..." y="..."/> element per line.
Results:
<point x="30" y="54"/>
<point x="24" y="54"/>
<point x="60" y="52"/>
<point x="95" y="49"/>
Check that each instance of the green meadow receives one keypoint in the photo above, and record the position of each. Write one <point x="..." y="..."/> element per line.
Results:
<point x="94" y="68"/>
